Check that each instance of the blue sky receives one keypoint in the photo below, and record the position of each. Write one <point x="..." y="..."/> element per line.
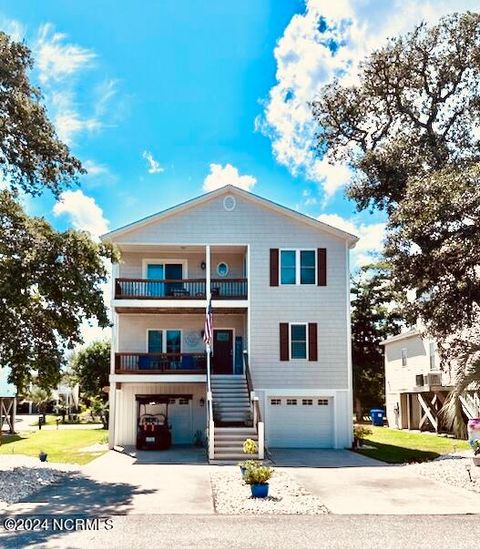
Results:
<point x="164" y="100"/>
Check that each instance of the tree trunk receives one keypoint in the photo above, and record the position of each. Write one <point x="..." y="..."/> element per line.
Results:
<point x="358" y="410"/>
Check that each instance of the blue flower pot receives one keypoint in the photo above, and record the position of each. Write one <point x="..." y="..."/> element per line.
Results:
<point x="259" y="490"/>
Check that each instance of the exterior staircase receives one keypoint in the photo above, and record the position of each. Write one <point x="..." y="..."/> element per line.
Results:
<point x="233" y="418"/>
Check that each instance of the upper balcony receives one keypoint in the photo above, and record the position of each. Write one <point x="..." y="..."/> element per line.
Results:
<point x="188" y="288"/>
<point x="177" y="278"/>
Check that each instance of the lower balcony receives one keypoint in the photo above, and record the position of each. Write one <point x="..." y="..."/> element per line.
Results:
<point x="161" y="363"/>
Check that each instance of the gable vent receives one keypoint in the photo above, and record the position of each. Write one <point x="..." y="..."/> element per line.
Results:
<point x="229" y="203"/>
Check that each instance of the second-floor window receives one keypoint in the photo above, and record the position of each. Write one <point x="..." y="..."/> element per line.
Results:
<point x="298" y="267"/>
<point x="404" y="356"/>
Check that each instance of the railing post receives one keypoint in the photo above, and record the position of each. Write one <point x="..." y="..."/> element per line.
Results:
<point x="261" y="440"/>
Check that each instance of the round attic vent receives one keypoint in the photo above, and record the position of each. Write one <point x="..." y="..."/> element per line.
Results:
<point x="229" y="202"/>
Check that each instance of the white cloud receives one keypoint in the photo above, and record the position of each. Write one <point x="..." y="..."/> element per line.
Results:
<point x="227" y="175"/>
<point x="327" y="40"/>
<point x="371" y="236"/>
<point x="153" y="165"/>
<point x="95" y="169"/>
<point x="57" y="59"/>
<point x="70" y="123"/>
<point x="59" y="65"/>
<point x="83" y="212"/>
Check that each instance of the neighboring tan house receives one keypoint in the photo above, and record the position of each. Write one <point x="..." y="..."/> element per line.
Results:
<point x="279" y="282"/>
<point x="415" y="385"/>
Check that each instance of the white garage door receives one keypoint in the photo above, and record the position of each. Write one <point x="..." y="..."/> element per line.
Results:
<point x="300" y="422"/>
<point x="180" y="418"/>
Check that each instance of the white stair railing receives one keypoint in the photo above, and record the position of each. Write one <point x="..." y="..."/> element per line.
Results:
<point x="257" y="417"/>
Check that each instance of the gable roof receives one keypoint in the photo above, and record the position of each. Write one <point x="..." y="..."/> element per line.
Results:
<point x="231" y="189"/>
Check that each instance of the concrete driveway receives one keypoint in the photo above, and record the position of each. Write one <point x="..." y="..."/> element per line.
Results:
<point x="116" y="483"/>
<point x="346" y="483"/>
<point x="384" y="490"/>
<point x="306" y="457"/>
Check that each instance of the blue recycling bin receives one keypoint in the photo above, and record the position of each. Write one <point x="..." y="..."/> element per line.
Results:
<point x="377" y="417"/>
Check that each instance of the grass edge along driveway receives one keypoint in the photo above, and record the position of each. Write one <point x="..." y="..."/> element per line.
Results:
<point x="396" y="446"/>
<point x="62" y="445"/>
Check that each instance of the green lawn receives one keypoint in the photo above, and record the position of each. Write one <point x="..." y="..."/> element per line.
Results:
<point x="394" y="446"/>
<point x="62" y="446"/>
<point x="52" y="420"/>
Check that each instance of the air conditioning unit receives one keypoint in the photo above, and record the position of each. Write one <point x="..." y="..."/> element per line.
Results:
<point x="434" y="378"/>
<point x="419" y="380"/>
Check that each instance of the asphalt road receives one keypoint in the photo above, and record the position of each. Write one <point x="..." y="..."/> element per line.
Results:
<point x="248" y="532"/>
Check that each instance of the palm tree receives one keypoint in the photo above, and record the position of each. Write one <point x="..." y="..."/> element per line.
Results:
<point x="40" y="397"/>
<point x="467" y="378"/>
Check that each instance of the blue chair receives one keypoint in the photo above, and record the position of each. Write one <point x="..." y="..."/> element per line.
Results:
<point x="187" y="362"/>
<point x="144" y="362"/>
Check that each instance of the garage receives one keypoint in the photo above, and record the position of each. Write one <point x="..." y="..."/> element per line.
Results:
<point x="300" y="422"/>
<point x="179" y="415"/>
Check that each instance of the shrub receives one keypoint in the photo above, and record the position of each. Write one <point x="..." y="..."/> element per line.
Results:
<point x="249" y="446"/>
<point x="258" y="474"/>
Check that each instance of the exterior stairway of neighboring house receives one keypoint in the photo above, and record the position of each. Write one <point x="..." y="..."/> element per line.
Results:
<point x="233" y="417"/>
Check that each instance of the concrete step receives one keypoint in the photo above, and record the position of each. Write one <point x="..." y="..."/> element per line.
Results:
<point x="216" y="377"/>
<point x="235" y="431"/>
<point x="228" y="444"/>
<point x="233" y="456"/>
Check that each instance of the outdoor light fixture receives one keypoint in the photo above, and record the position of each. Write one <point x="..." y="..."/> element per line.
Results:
<point x="203" y="265"/>
<point x="202" y="402"/>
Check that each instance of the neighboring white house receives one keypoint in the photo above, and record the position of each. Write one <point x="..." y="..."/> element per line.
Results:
<point x="8" y="400"/>
<point x="279" y="282"/>
<point x="415" y="385"/>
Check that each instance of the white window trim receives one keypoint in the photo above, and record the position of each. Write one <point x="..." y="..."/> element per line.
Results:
<point x="297" y="265"/>
<point x="307" y="342"/>
<point x="164" y="337"/>
<point x="157" y="261"/>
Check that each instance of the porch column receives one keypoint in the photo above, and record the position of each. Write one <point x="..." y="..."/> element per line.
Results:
<point x="112" y="396"/>
<point x="207" y="271"/>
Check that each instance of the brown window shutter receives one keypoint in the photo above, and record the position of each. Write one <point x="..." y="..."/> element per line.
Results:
<point x="312" y="341"/>
<point x="284" y="343"/>
<point x="274" y="267"/>
<point x="322" y="266"/>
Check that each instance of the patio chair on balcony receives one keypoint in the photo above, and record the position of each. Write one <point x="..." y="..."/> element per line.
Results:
<point x="187" y="362"/>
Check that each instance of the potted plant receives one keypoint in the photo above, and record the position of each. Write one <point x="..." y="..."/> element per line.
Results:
<point x="257" y="477"/>
<point x="359" y="434"/>
<point x="249" y="447"/>
<point x="42" y="456"/>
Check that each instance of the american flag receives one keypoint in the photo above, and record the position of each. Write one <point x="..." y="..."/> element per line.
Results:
<point x="208" y="331"/>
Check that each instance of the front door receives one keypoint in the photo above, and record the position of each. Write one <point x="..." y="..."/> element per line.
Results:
<point x="222" y="351"/>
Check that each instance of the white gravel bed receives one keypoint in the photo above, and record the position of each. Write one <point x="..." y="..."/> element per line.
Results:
<point x="22" y="476"/>
<point x="452" y="469"/>
<point x="285" y="497"/>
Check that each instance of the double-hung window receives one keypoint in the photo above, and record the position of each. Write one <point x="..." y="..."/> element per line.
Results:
<point x="298" y="341"/>
<point x="164" y="341"/>
<point x="298" y="267"/>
